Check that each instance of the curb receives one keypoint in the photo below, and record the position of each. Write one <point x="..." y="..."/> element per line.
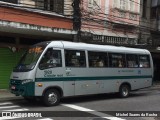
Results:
<point x="10" y="99"/>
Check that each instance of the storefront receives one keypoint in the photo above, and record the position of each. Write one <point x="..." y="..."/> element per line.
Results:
<point x="8" y="59"/>
<point x="10" y="53"/>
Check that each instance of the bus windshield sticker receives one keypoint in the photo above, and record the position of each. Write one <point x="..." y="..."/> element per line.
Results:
<point x="35" y="50"/>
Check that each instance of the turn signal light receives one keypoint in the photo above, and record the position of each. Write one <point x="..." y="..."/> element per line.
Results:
<point x="40" y="85"/>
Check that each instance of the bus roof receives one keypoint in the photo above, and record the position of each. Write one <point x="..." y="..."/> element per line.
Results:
<point x="94" y="47"/>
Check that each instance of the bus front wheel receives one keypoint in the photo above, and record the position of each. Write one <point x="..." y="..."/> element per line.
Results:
<point x="124" y="91"/>
<point x="51" y="97"/>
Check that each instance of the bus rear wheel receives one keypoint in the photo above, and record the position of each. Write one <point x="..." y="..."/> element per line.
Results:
<point x="51" y="97"/>
<point x="124" y="91"/>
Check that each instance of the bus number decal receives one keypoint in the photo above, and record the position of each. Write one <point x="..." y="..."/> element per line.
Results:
<point x="48" y="73"/>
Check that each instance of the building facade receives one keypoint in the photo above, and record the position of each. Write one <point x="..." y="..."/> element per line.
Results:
<point x="26" y="22"/>
<point x="145" y="22"/>
<point x="110" y="21"/>
<point x="150" y="31"/>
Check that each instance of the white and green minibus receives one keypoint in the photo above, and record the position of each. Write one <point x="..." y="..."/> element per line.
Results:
<point x="56" y="69"/>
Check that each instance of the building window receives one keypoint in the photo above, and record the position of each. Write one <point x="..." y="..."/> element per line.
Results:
<point x="54" y="5"/>
<point x="122" y="14"/>
<point x="144" y="8"/>
<point x="153" y="12"/>
<point x="132" y="16"/>
<point x="94" y="4"/>
<point x="123" y="4"/>
<point x="115" y="4"/>
<point x="132" y="5"/>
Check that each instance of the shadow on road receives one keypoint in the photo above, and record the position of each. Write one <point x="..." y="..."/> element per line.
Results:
<point x="83" y="99"/>
<point x="100" y="97"/>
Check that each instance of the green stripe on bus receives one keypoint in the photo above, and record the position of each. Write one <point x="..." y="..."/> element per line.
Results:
<point x="90" y="78"/>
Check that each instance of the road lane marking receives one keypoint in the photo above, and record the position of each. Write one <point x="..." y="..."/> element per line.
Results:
<point x="45" y="119"/>
<point x="78" y="107"/>
<point x="8" y="118"/>
<point x="6" y="103"/>
<point x="11" y="118"/>
<point x="9" y="106"/>
<point x="23" y="109"/>
<point x="100" y="114"/>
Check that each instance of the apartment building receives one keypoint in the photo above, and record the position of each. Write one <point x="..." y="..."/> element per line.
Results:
<point x="150" y="31"/>
<point x="110" y="21"/>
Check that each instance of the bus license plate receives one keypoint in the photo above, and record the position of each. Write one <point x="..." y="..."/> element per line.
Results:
<point x="13" y="87"/>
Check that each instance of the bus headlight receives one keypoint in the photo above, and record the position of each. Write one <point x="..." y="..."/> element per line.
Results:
<point x="27" y="81"/>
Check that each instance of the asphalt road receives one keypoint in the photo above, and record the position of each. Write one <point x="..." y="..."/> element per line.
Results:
<point x="140" y="105"/>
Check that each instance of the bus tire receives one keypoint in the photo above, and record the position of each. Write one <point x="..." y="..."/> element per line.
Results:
<point x="51" y="97"/>
<point x="124" y="91"/>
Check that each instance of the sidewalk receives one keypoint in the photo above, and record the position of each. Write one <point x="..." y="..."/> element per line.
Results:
<point x="156" y="85"/>
<point x="5" y="94"/>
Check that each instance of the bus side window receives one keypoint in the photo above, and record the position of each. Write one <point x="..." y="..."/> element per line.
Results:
<point x="75" y="58"/>
<point x="116" y="60"/>
<point x="97" y="59"/>
<point x="144" y="61"/>
<point x="52" y="58"/>
<point x="132" y="60"/>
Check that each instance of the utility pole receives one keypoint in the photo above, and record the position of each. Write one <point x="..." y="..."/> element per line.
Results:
<point x="77" y="18"/>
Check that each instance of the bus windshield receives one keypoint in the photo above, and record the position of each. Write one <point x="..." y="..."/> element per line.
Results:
<point x="29" y="59"/>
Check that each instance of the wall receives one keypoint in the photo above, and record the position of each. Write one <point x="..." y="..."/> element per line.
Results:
<point x="22" y="16"/>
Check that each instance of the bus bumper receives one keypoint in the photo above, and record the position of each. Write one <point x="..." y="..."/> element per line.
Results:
<point x="16" y="87"/>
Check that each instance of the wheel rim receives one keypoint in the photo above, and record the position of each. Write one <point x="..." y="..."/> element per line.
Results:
<point x="125" y="91"/>
<point x="52" y="98"/>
